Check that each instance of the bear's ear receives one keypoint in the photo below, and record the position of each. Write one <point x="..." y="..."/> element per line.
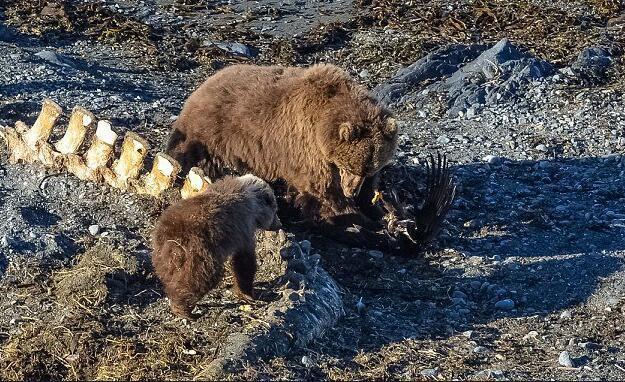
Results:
<point x="347" y="132"/>
<point x="391" y="126"/>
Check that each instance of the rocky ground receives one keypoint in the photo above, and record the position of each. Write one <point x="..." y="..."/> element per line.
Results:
<point x="526" y="98"/>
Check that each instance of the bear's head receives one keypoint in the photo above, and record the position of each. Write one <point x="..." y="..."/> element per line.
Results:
<point x="264" y="202"/>
<point x="355" y="133"/>
<point x="361" y="149"/>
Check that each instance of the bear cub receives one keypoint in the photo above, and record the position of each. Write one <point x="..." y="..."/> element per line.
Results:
<point x="194" y="237"/>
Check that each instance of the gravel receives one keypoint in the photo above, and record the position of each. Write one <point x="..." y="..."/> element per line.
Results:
<point x="532" y="253"/>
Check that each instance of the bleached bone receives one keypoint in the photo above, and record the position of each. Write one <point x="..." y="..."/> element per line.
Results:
<point x="80" y="121"/>
<point x="17" y="149"/>
<point x="101" y="149"/>
<point x="130" y="162"/>
<point x="194" y="183"/>
<point x="41" y="130"/>
<point x="163" y="174"/>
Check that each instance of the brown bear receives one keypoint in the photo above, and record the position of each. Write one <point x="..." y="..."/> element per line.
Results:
<point x="314" y="128"/>
<point x="194" y="237"/>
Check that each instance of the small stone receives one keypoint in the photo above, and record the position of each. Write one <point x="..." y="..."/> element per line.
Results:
<point x="481" y="350"/>
<point x="429" y="372"/>
<point x="422" y="114"/>
<point x="360" y="306"/>
<point x="541" y="147"/>
<point x="566" y="315"/>
<point x="589" y="345"/>
<point x="476" y="285"/>
<point x="306" y="361"/>
<point x="294" y="296"/>
<point x="468" y="334"/>
<point x="470" y="113"/>
<point x="94" y="229"/>
<point x="443" y="139"/>
<point x="458" y="301"/>
<point x="72" y="358"/>
<point x="506" y="304"/>
<point x="375" y="254"/>
<point x="531" y="335"/>
<point x="5" y="242"/>
<point x="189" y="351"/>
<point x="458" y="294"/>
<point x="492" y="159"/>
<point x="565" y="359"/>
<point x="305" y="245"/>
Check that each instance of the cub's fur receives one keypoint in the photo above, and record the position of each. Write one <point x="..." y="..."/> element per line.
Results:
<point x="194" y="237"/>
<point x="315" y="128"/>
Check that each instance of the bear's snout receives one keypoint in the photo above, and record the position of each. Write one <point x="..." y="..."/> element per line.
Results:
<point x="351" y="184"/>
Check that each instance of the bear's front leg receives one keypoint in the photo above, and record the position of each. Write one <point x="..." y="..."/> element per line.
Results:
<point x="244" y="269"/>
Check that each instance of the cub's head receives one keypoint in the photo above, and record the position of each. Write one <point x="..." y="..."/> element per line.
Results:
<point x="264" y="200"/>
<point x="356" y="133"/>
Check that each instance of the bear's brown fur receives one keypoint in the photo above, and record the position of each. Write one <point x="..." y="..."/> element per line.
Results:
<point x="193" y="238"/>
<point x="315" y="128"/>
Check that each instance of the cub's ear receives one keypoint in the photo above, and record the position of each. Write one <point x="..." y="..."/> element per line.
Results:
<point x="347" y="132"/>
<point x="391" y="126"/>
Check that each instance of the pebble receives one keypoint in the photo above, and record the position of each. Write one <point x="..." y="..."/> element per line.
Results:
<point x="360" y="306"/>
<point x="541" y="147"/>
<point x="491" y="159"/>
<point x="305" y="245"/>
<point x="458" y="294"/>
<point x="506" y="304"/>
<point x="468" y="334"/>
<point x="565" y="359"/>
<point x="470" y="113"/>
<point x="476" y="285"/>
<point x="566" y="315"/>
<point x="481" y="350"/>
<point x="458" y="301"/>
<point x="429" y="372"/>
<point x="531" y="335"/>
<point x="94" y="229"/>
<point x="375" y="254"/>
<point x="589" y="345"/>
<point x="306" y="361"/>
<point x="443" y="139"/>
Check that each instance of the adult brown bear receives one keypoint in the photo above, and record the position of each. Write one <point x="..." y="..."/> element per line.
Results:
<point x="313" y="127"/>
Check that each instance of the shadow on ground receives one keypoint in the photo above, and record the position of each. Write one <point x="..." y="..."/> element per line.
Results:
<point x="524" y="239"/>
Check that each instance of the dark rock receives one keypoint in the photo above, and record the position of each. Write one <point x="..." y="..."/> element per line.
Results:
<point x="55" y="58"/>
<point x="592" y="64"/>
<point x="235" y="48"/>
<point x="472" y="72"/>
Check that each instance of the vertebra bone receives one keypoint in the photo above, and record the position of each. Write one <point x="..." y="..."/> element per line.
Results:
<point x="163" y="174"/>
<point x="80" y="121"/>
<point x="41" y="130"/>
<point x="101" y="148"/>
<point x="134" y="150"/>
<point x="194" y="183"/>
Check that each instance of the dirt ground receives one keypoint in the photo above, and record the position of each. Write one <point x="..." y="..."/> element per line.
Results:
<point x="525" y="281"/>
